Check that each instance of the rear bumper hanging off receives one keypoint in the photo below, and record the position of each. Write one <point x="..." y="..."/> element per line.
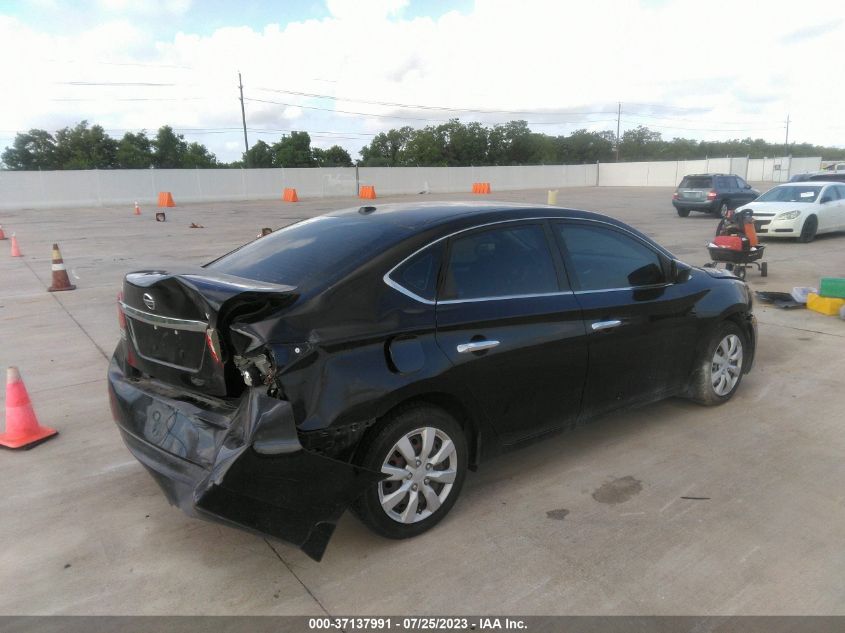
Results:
<point x="243" y="466"/>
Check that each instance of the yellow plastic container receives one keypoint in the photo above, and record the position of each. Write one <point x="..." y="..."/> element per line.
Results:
<point x="824" y="305"/>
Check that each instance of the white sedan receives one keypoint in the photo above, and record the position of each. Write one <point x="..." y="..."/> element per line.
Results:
<point x="800" y="210"/>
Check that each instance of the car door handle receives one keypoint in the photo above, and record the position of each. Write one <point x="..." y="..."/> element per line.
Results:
<point x="476" y="346"/>
<point x="598" y="326"/>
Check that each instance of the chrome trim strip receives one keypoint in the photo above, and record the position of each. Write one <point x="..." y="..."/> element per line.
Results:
<point x="648" y="287"/>
<point x="163" y="321"/>
<point x="525" y="296"/>
<point x="400" y="288"/>
<point x="404" y="290"/>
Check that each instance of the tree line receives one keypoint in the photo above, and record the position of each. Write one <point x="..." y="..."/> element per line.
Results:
<point x="453" y="143"/>
<point x="85" y="146"/>
<point x="459" y="144"/>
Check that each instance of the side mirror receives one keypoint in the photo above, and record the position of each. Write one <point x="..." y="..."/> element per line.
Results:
<point x="680" y="272"/>
<point x="747" y="186"/>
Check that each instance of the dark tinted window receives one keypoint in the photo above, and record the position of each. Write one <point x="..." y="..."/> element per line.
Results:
<point x="603" y="258"/>
<point x="724" y="183"/>
<point x="419" y="274"/>
<point x="740" y="183"/>
<point x="696" y="182"/>
<point x="832" y="193"/>
<point x="500" y="262"/>
<point x="320" y="248"/>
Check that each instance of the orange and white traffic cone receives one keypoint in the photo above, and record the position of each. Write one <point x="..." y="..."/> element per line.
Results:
<point x="60" y="278"/>
<point x="137" y="208"/>
<point x="22" y="428"/>
<point x="2" y="234"/>
<point x="16" y="252"/>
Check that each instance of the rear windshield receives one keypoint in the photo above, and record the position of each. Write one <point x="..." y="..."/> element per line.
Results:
<point x="696" y="182"/>
<point x="791" y="193"/>
<point x="322" y="248"/>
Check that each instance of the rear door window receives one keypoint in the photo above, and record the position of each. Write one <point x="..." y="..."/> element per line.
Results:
<point x="696" y="182"/>
<point x="418" y="275"/>
<point x="606" y="259"/>
<point x="502" y="262"/>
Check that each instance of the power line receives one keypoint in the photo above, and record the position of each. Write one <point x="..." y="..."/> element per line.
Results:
<point x="410" y="118"/>
<point x="413" y="106"/>
<point x="146" y="84"/>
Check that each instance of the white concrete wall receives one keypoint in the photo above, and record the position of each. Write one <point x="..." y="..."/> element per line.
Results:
<point x="50" y="189"/>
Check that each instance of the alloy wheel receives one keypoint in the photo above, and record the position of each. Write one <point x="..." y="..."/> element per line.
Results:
<point x="421" y="469"/>
<point x="726" y="366"/>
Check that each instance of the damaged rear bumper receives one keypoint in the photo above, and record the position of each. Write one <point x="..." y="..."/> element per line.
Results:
<point x="240" y="465"/>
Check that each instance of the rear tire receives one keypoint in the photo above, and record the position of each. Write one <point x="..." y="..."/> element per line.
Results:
<point x="809" y="229"/>
<point x="723" y="209"/>
<point x="718" y="370"/>
<point x="683" y="212"/>
<point x="764" y="269"/>
<point x="425" y="451"/>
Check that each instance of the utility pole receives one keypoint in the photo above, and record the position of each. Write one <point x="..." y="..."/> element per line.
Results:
<point x="618" y="121"/>
<point x="243" y="117"/>
<point x="786" y="142"/>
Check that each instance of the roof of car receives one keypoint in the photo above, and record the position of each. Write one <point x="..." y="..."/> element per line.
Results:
<point x="807" y="183"/>
<point x="409" y="219"/>
<point x="697" y="175"/>
<point x="415" y="216"/>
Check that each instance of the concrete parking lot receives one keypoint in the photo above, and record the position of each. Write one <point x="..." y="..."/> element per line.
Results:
<point x="593" y="522"/>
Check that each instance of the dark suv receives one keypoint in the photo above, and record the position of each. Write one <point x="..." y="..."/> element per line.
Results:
<point x="711" y="193"/>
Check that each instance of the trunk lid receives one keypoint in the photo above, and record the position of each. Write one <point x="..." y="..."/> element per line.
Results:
<point x="184" y="327"/>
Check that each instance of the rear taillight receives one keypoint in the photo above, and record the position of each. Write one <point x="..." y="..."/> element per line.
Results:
<point x="675" y="196"/>
<point x="212" y="341"/>
<point x="711" y="195"/>
<point x="121" y="322"/>
<point x="121" y="318"/>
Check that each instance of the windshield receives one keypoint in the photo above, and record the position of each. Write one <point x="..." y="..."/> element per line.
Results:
<point x="322" y="248"/>
<point x="696" y="182"/>
<point x="793" y="193"/>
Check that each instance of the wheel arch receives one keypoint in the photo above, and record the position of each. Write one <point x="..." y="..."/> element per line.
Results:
<point x="450" y="403"/>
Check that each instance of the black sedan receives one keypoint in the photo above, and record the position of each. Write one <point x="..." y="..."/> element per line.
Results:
<point x="368" y="358"/>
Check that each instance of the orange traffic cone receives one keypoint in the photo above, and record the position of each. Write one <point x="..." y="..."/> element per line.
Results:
<point x="16" y="252"/>
<point x="60" y="278"/>
<point x="165" y="199"/>
<point x="368" y="192"/>
<point x="22" y="428"/>
<point x="289" y="195"/>
<point x="2" y="234"/>
<point x="137" y="208"/>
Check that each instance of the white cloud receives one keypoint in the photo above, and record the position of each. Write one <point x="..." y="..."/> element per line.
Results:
<point x="669" y="63"/>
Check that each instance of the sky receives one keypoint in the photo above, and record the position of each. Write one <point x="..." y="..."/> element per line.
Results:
<point x="344" y="70"/>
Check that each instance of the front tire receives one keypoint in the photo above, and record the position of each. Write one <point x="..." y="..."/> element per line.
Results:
<point x="718" y="370"/>
<point x="424" y="452"/>
<point x="809" y="229"/>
